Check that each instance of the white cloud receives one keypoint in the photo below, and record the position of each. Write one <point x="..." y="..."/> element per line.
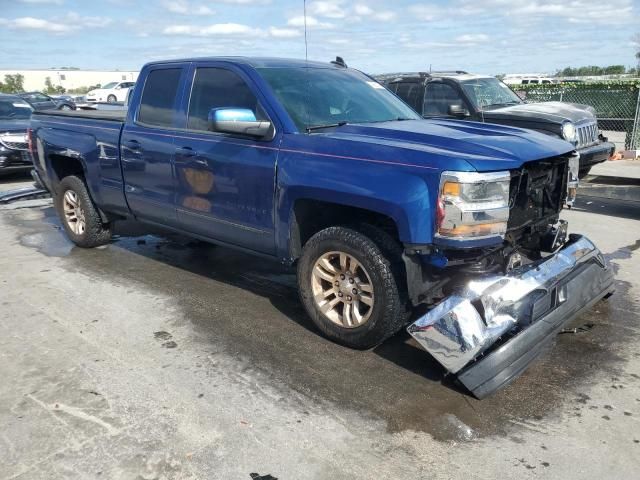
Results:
<point x="184" y="7"/>
<point x="81" y="21"/>
<point x="71" y="22"/>
<point x="31" y="23"/>
<point x="312" y="22"/>
<point x="284" y="32"/>
<point x="363" y="10"/>
<point x="472" y="38"/>
<point x="222" y="29"/>
<point x="427" y="12"/>
<point x="327" y="8"/>
<point x="41" y="2"/>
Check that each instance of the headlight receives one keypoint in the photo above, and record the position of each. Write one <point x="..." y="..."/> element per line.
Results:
<point x="473" y="205"/>
<point x="569" y="131"/>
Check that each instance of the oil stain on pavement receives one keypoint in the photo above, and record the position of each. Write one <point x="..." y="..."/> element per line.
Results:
<point x="250" y="307"/>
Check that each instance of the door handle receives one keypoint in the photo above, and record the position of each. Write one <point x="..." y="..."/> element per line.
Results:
<point x="186" y="152"/>
<point x="132" y="144"/>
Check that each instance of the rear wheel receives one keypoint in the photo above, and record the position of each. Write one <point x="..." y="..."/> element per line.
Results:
<point x="112" y="99"/>
<point x="351" y="282"/>
<point x="79" y="215"/>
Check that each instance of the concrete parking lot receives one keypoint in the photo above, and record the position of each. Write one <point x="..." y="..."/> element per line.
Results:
<point x="160" y="358"/>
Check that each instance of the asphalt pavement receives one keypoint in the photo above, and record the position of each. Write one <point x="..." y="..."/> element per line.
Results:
<point x="156" y="357"/>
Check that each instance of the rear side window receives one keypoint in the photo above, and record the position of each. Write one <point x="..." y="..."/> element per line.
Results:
<point x="219" y="88"/>
<point x="159" y="97"/>
<point x="411" y="93"/>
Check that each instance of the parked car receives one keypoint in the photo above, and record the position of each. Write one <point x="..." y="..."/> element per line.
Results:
<point x="15" y="116"/>
<point x="486" y="99"/>
<point x="110" y="93"/>
<point x="527" y="79"/>
<point x="320" y="166"/>
<point x="40" y="101"/>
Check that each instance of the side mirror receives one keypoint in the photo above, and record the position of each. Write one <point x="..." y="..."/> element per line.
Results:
<point x="239" y="121"/>
<point x="458" y="111"/>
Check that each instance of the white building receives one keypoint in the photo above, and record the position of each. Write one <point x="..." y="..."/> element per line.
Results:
<point x="70" y="79"/>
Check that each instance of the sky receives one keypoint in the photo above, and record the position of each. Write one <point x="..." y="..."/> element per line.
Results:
<point x="376" y="36"/>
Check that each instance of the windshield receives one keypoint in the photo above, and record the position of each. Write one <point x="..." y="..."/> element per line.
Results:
<point x="14" y="109"/>
<point x="110" y="85"/>
<point x="315" y="97"/>
<point x="489" y="92"/>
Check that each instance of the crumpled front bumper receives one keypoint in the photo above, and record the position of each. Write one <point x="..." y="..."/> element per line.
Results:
<point x="529" y="306"/>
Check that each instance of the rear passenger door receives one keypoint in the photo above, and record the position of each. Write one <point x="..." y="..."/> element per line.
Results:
<point x="412" y="93"/>
<point x="147" y="145"/>
<point x="226" y="182"/>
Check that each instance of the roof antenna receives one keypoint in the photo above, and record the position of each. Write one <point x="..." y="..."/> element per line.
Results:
<point x="306" y="61"/>
<point x="306" y="51"/>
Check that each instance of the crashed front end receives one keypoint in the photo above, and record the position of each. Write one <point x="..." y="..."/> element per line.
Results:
<point x="496" y="307"/>
<point x="520" y="311"/>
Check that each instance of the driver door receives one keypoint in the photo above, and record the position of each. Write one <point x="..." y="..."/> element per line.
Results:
<point x="438" y="99"/>
<point x="225" y="182"/>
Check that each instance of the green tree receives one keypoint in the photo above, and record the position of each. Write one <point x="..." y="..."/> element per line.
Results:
<point x="12" y="84"/>
<point x="50" y="88"/>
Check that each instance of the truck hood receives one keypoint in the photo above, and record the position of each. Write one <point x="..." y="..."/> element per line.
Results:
<point x="485" y="147"/>
<point x="548" y="112"/>
<point x="13" y="125"/>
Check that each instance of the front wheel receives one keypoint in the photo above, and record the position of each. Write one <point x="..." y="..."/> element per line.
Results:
<point x="111" y="99"/>
<point x="79" y="215"/>
<point x="352" y="285"/>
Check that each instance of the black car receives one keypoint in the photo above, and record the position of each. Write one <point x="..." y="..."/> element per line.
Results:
<point x="40" y="101"/>
<point x="486" y="99"/>
<point x="15" y="116"/>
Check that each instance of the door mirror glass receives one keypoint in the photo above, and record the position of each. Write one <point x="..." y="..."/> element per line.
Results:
<point x="238" y="121"/>
<point x="458" y="111"/>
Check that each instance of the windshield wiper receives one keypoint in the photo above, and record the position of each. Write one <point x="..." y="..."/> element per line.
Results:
<point x="328" y="125"/>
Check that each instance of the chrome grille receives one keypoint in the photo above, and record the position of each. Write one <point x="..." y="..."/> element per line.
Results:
<point x="587" y="134"/>
<point x="14" y="141"/>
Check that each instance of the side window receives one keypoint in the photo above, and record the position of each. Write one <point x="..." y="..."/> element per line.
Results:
<point x="411" y="93"/>
<point x="219" y="88"/>
<point x="533" y="81"/>
<point x="439" y="97"/>
<point x="159" y="97"/>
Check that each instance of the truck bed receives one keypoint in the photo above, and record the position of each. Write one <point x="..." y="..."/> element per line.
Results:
<point x="109" y="115"/>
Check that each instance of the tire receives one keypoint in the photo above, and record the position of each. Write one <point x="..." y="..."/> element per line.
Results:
<point x="380" y="257"/>
<point x="112" y="99"/>
<point x="65" y="107"/>
<point x="95" y="232"/>
<point x="583" y="172"/>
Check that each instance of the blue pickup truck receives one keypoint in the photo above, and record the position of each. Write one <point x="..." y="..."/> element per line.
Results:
<point x="449" y="228"/>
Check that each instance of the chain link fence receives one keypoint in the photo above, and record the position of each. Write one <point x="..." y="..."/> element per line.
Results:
<point x="617" y="105"/>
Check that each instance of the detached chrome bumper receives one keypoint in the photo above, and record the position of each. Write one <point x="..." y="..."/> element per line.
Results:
<point x="531" y="304"/>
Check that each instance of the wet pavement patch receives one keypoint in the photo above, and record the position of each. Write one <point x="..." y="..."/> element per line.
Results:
<point x="249" y="307"/>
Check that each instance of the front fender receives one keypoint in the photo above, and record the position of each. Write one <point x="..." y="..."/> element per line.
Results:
<point x="396" y="192"/>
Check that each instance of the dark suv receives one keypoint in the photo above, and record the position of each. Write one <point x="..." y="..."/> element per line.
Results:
<point x="486" y="99"/>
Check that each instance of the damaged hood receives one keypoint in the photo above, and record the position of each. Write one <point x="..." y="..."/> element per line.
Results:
<point x="484" y="147"/>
